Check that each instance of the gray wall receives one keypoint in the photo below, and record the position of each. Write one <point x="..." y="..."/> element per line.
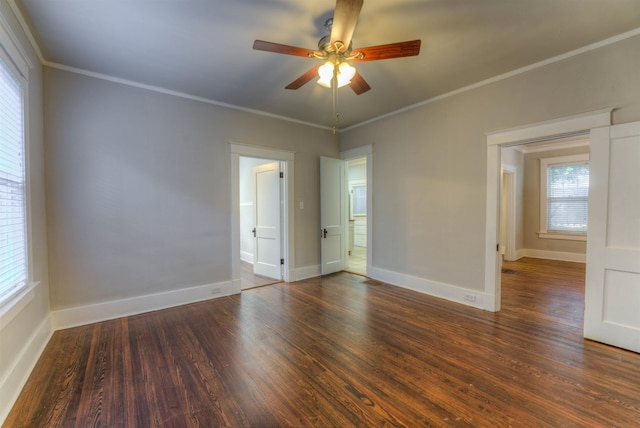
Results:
<point x="429" y="163"/>
<point x="139" y="188"/>
<point x="514" y="158"/>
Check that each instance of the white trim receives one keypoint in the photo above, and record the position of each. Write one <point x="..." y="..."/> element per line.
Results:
<point x="269" y="153"/>
<point x="562" y="236"/>
<point x="433" y="288"/>
<point x="11" y="385"/>
<point x="526" y="69"/>
<point x="288" y="157"/>
<point x="246" y="256"/>
<point x="367" y="152"/>
<point x="358" y="152"/>
<point x="88" y="314"/>
<point x="305" y="272"/>
<point x="16" y="301"/>
<point x="12" y="46"/>
<point x="578" y="124"/>
<point x="26" y="29"/>
<point x="553" y="145"/>
<point x="492" y="263"/>
<point x="553" y="255"/>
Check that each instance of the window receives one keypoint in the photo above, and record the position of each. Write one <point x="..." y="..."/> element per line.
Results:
<point x="13" y="233"/>
<point x="564" y="196"/>
<point x="357" y="198"/>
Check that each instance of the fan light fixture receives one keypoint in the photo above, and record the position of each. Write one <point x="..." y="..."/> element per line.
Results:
<point x="344" y="74"/>
<point x="335" y="50"/>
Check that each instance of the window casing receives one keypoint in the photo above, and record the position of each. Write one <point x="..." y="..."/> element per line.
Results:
<point x="15" y="278"/>
<point x="564" y="197"/>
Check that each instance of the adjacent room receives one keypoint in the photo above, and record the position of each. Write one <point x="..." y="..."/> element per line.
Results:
<point x="331" y="213"/>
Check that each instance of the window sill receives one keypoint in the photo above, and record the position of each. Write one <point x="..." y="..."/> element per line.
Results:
<point x="563" y="236"/>
<point x="15" y="302"/>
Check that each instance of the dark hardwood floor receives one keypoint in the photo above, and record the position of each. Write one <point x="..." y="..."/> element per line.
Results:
<point x="341" y="351"/>
<point x="250" y="280"/>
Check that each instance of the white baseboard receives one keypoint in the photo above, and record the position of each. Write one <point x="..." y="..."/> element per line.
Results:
<point x="246" y="257"/>
<point x="520" y="254"/>
<point x="12" y="384"/>
<point x="82" y="315"/>
<point x="553" y="255"/>
<point x="305" y="272"/>
<point x="474" y="298"/>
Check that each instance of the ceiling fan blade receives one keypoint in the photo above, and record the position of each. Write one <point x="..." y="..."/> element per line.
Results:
<point x="305" y="78"/>
<point x="261" y="45"/>
<point x="392" y="50"/>
<point x="345" y="18"/>
<point x="358" y="84"/>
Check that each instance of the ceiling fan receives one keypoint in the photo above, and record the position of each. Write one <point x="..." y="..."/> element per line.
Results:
<point x="336" y="51"/>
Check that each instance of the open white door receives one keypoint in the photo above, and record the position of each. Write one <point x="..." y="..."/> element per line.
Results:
<point x="612" y="295"/>
<point x="333" y="215"/>
<point x="266" y="202"/>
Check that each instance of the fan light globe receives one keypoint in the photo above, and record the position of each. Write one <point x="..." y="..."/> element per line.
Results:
<point x="326" y="74"/>
<point x="345" y="74"/>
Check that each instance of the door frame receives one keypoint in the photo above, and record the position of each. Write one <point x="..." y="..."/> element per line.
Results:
<point x="357" y="153"/>
<point x="288" y="239"/>
<point x="580" y="124"/>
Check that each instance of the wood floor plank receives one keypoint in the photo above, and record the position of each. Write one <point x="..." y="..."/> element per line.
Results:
<point x="342" y="350"/>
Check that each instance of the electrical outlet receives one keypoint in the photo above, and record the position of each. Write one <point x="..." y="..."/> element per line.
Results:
<point x="470" y="297"/>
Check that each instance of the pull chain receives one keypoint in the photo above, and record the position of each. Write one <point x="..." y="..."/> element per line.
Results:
<point x="336" y="114"/>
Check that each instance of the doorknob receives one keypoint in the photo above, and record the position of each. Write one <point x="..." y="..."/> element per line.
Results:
<point x="254" y="232"/>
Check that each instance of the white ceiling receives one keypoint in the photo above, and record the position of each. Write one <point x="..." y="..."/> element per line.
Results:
<point x="204" y="47"/>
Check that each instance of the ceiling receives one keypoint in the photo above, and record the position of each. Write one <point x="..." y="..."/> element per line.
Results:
<point x="204" y="47"/>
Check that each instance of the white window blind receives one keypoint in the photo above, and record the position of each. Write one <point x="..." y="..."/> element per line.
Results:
<point x="13" y="250"/>
<point x="567" y="197"/>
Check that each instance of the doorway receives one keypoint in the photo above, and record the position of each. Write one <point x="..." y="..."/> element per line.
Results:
<point x="261" y="221"/>
<point x="239" y="268"/>
<point x="357" y="227"/>
<point x="534" y="175"/>
<point x="573" y="126"/>
<point x="360" y="187"/>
